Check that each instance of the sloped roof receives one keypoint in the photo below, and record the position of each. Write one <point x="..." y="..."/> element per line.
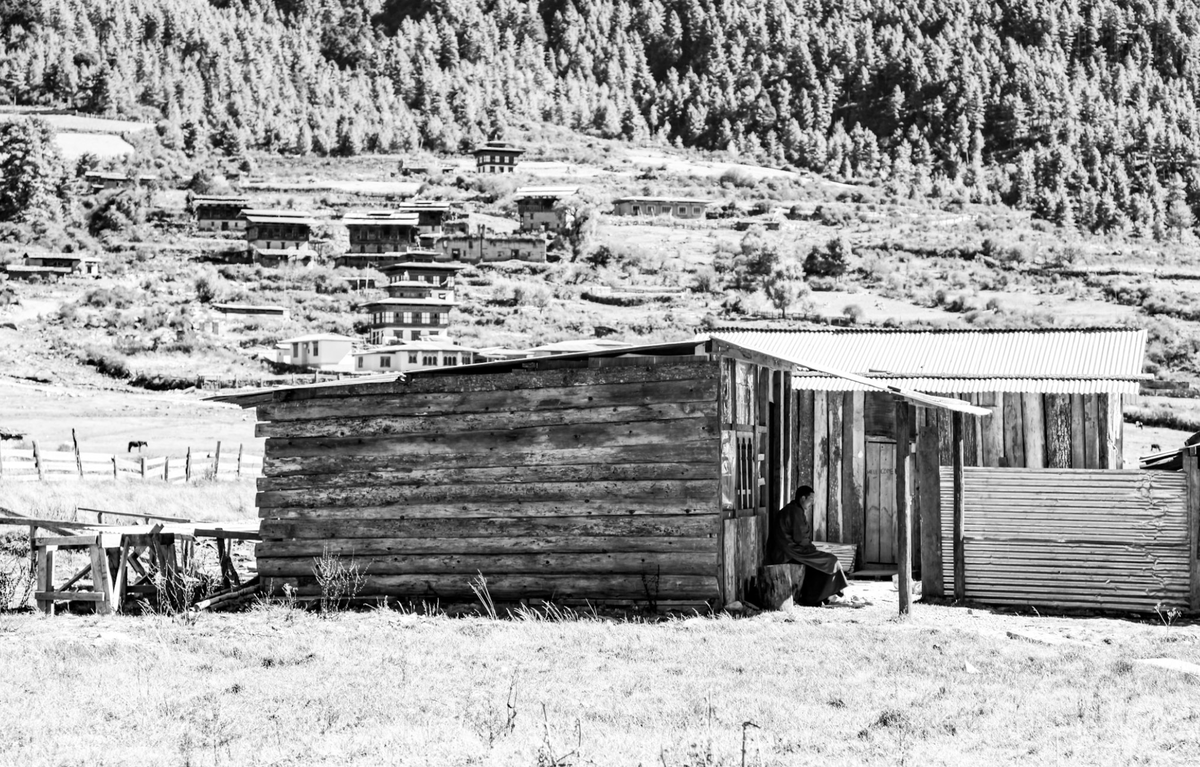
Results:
<point x="546" y="191"/>
<point x="1052" y="361"/>
<point x="319" y="337"/>
<point x="381" y="218"/>
<point x="265" y="216"/>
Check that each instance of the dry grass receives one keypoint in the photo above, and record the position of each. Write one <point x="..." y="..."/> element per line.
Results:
<point x="840" y="686"/>
<point x="201" y="500"/>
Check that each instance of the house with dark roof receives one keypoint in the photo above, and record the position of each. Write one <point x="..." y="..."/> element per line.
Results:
<point x="497" y="157"/>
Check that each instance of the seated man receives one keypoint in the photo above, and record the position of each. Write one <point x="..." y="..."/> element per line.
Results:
<point x="790" y="542"/>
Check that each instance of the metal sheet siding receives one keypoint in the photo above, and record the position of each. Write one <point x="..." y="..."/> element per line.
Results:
<point x="972" y="385"/>
<point x="1084" y="361"/>
<point x="1114" y="540"/>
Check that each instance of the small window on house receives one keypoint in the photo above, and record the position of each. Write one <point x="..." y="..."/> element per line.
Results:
<point x="449" y="360"/>
<point x="360" y="363"/>
<point x="408" y="318"/>
<point x="696" y="210"/>
<point x="682" y="210"/>
<point x="429" y="360"/>
<point x="426" y="319"/>
<point x="385" y="362"/>
<point x="412" y="358"/>
<point x="650" y="210"/>
<point x="316" y="348"/>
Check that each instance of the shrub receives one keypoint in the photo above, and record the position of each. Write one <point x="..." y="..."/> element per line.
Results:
<point x="107" y="362"/>
<point x="854" y="313"/>
<point x="828" y="261"/>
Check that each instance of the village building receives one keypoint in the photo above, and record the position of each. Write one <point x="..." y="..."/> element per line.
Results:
<point x="435" y="351"/>
<point x="431" y="214"/>
<point x="382" y="231"/>
<point x="328" y="352"/>
<point x="53" y="267"/>
<point x="420" y="297"/>
<point x="98" y="180"/>
<point x="497" y="157"/>
<point x="257" y="312"/>
<point x="649" y="475"/>
<point x="535" y="207"/>
<point x="486" y="248"/>
<point x="276" y="237"/>
<point x="674" y="207"/>
<point x="220" y="213"/>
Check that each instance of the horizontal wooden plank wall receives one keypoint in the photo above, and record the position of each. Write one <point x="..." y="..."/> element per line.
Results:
<point x="1071" y="538"/>
<point x="598" y="484"/>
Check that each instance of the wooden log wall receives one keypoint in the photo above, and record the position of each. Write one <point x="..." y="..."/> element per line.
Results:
<point x="1070" y="538"/>
<point x="598" y="484"/>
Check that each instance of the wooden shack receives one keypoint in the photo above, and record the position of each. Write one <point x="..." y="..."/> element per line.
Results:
<point x="639" y="475"/>
<point x="1055" y="399"/>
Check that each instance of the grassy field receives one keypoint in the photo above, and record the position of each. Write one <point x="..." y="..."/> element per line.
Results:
<point x="202" y="500"/>
<point x="279" y="686"/>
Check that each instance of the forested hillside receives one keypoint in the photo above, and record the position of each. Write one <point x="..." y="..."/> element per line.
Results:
<point x="1085" y="112"/>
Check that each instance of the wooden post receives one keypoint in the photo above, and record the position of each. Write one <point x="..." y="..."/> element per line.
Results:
<point x="37" y="461"/>
<point x="167" y="469"/>
<point x="143" y="459"/>
<point x="187" y="466"/>
<point x="102" y="582"/>
<point x="217" y="462"/>
<point x="78" y="458"/>
<point x="904" y="431"/>
<point x="241" y="446"/>
<point x="780" y="585"/>
<point x="929" y="504"/>
<point x="45" y="578"/>
<point x="1191" y="469"/>
<point x="960" y="571"/>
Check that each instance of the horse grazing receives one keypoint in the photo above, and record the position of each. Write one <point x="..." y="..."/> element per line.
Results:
<point x="139" y="444"/>
<point x="1156" y="448"/>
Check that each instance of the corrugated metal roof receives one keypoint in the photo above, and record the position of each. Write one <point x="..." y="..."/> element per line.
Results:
<point x="972" y="385"/>
<point x="546" y="191"/>
<point x="1078" y="361"/>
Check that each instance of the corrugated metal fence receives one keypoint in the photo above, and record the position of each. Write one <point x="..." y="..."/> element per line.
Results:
<point x="1115" y="540"/>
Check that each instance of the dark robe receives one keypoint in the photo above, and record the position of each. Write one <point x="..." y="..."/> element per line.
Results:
<point x="790" y="542"/>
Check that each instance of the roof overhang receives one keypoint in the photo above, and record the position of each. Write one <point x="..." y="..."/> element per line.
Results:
<point x="727" y="347"/>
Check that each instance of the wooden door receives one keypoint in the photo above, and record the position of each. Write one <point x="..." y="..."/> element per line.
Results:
<point x="879" y="528"/>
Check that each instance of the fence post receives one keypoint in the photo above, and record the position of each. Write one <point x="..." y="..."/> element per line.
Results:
<point x="115" y="475"/>
<point x="167" y="469"/>
<point x="905" y="415"/>
<point x="960" y="565"/>
<point x="241" y="446"/>
<point x="1191" y="469"/>
<point x="37" y="461"/>
<point x="217" y="462"/>
<point x="78" y="458"/>
<point x="143" y="467"/>
<point x="187" y="466"/>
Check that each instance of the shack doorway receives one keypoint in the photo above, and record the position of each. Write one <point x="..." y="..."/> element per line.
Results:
<point x="879" y="525"/>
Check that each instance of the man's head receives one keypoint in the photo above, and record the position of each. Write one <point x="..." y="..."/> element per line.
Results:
<point x="804" y="497"/>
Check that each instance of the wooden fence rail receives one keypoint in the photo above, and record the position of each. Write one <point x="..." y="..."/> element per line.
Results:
<point x="37" y="465"/>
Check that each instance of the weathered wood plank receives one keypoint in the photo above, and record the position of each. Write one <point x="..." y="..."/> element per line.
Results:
<point x="509" y="381"/>
<point x="835" y="521"/>
<point x="1108" y="407"/>
<point x="1014" y="431"/>
<point x="582" y="526"/>
<point x="704" y="451"/>
<point x="1078" y="436"/>
<point x="1058" y="430"/>
<point x="971" y="447"/>
<point x="1034" y="427"/>
<point x="729" y="561"/>
<point x="504" y="587"/>
<point x="905" y="414"/>
<point x="452" y="475"/>
<point x="1091" y="431"/>
<point x="675" y="563"/>
<point x="579" y="492"/>
<point x="871" y="532"/>
<point x="929" y="506"/>
<point x="854" y="468"/>
<point x="558" y="398"/>
<point x="776" y="431"/>
<point x="380" y="425"/>
<point x="960" y="588"/>
<point x="992" y="429"/>
<point x="804" y="423"/>
<point x="568" y="436"/>
<point x="793" y="466"/>
<point x="599" y="508"/>
<point x="820" y="472"/>
<point x="945" y="451"/>
<point x="500" y="544"/>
